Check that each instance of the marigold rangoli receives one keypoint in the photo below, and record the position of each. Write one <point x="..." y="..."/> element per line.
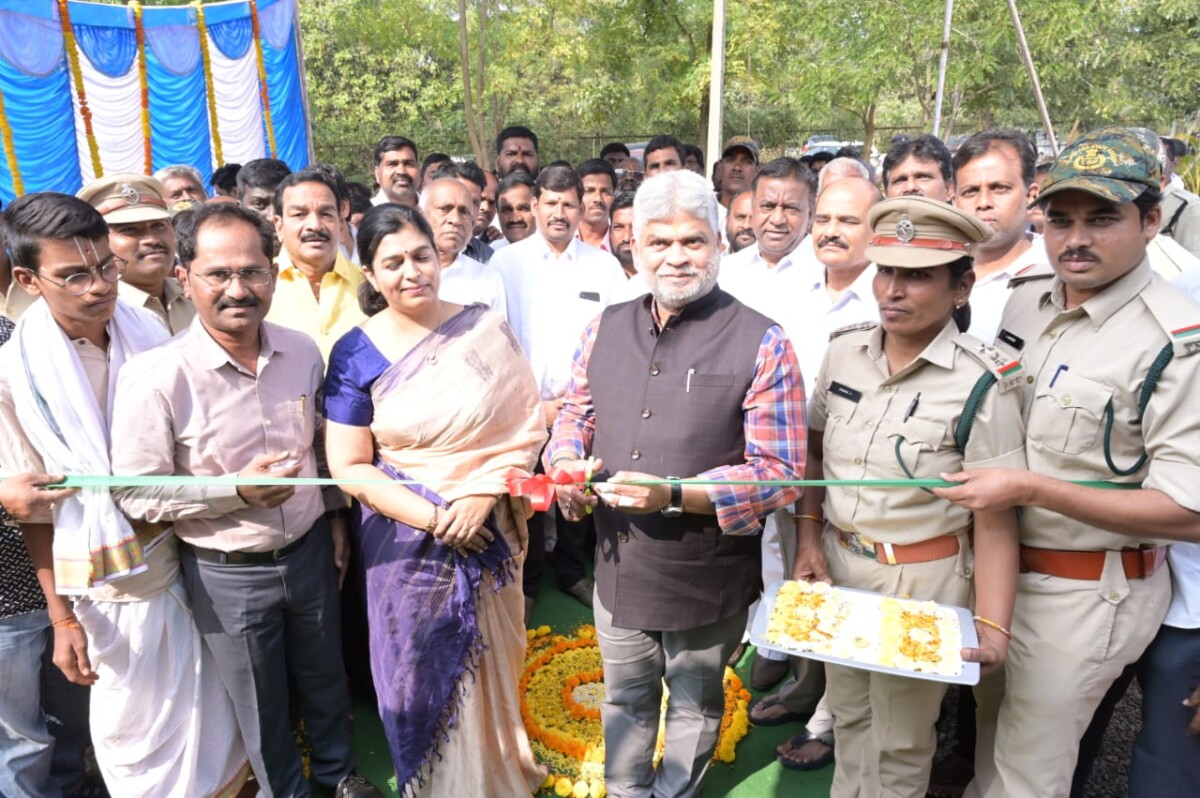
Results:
<point x="562" y="688"/>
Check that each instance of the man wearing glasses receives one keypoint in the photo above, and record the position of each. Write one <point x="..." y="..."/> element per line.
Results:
<point x="161" y="720"/>
<point x="236" y="394"/>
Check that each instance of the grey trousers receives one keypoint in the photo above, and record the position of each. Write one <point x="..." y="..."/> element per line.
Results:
<point x="635" y="664"/>
<point x="268" y="627"/>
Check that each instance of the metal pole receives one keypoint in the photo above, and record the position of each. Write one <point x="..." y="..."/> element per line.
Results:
<point x="1033" y="78"/>
<point x="303" y="81"/>
<point x="941" y="84"/>
<point x="716" y="85"/>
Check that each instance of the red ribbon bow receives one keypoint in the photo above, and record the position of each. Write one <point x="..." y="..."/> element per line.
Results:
<point x="541" y="488"/>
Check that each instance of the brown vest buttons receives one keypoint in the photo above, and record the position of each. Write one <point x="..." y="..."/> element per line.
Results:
<point x="645" y="412"/>
<point x="635" y="455"/>
<point x="654" y="370"/>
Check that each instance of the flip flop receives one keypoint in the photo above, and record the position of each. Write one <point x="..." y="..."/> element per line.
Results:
<point x="767" y="702"/>
<point x="798" y="741"/>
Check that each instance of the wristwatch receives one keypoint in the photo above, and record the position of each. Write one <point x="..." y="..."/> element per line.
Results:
<point x="674" y="507"/>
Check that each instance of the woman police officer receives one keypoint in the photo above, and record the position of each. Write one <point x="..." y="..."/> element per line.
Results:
<point x="911" y="396"/>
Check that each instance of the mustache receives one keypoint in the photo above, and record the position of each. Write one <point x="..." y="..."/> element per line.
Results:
<point x="825" y="241"/>
<point x="316" y="235"/>
<point x="1079" y="253"/>
<point x="152" y="249"/>
<point x="247" y="302"/>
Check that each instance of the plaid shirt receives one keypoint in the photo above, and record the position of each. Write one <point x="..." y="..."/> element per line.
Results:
<point x="774" y="429"/>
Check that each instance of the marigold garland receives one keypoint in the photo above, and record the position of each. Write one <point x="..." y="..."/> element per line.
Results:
<point x="143" y="84"/>
<point x="10" y="151"/>
<point x="262" y="76"/>
<point x="561" y="689"/>
<point x="72" y="48"/>
<point x="209" y="91"/>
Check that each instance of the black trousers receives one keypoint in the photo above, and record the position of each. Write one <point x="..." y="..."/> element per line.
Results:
<point x="570" y="551"/>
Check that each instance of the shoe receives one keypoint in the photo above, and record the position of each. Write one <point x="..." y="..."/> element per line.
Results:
<point x="530" y="601"/>
<point x="766" y="673"/>
<point x="736" y="656"/>
<point x="582" y="591"/>
<point x="355" y="786"/>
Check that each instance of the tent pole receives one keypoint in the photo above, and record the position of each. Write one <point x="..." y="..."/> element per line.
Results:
<point x="716" y="90"/>
<point x="1033" y="78"/>
<point x="941" y="81"/>
<point x="312" y="157"/>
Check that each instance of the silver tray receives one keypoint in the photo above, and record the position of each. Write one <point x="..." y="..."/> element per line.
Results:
<point x="970" y="639"/>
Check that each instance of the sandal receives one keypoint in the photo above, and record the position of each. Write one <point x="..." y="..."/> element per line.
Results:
<point x="768" y="703"/>
<point x="799" y="741"/>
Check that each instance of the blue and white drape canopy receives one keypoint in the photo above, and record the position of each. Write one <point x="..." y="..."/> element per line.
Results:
<point x="125" y="89"/>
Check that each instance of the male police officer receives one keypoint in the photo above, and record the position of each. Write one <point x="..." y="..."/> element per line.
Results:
<point x="1108" y="351"/>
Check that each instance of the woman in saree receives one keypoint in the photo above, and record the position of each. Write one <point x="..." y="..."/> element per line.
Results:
<point x="440" y="399"/>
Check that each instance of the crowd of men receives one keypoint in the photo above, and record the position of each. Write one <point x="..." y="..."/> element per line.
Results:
<point x="549" y="247"/>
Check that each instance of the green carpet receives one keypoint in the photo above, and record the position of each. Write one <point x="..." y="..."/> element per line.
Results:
<point x="755" y="774"/>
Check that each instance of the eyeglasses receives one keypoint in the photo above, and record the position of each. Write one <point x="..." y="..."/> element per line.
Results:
<point x="251" y="278"/>
<point x="622" y="173"/>
<point x="80" y="283"/>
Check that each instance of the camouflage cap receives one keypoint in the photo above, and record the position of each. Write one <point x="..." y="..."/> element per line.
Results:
<point x="1116" y="164"/>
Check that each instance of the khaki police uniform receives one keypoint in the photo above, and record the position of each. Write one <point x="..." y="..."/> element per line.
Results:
<point x="1089" y="601"/>
<point x="1073" y="637"/>
<point x="903" y="541"/>
<point x="127" y="199"/>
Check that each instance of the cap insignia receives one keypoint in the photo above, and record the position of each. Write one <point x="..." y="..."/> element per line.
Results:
<point x="129" y="194"/>
<point x="905" y="230"/>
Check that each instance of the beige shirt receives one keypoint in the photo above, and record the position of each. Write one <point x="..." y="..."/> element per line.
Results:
<point x="17" y="455"/>
<point x="864" y="412"/>
<point x="15" y="301"/>
<point x="186" y="408"/>
<point x="1075" y="362"/>
<point x="176" y="313"/>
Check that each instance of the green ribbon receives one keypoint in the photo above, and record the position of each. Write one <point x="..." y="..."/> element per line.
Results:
<point x="155" y="481"/>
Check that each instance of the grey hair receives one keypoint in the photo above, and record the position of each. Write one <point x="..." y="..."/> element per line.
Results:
<point x="839" y="168"/>
<point x="179" y="170"/>
<point x="671" y="193"/>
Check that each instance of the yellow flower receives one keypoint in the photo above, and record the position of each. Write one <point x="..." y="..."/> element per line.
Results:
<point x="563" y="788"/>
<point x="581" y="790"/>
<point x="543" y="630"/>
<point x="598" y="790"/>
<point x="548" y="782"/>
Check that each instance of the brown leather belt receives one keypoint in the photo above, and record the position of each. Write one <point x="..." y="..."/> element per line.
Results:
<point x="1089" y="565"/>
<point x="938" y="548"/>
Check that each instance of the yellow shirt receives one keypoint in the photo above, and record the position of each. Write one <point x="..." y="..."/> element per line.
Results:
<point x="326" y="319"/>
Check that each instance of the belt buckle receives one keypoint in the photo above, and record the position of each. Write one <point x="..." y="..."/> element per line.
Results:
<point x="857" y="543"/>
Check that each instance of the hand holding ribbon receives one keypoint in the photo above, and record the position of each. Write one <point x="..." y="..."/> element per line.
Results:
<point x="541" y="489"/>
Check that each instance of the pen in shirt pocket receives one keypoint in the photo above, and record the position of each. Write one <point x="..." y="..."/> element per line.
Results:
<point x="1061" y="368"/>
<point x="688" y="385"/>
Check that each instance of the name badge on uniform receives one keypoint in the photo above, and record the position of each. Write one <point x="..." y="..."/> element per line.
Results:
<point x="845" y="391"/>
<point x="1014" y="341"/>
<point x="590" y="295"/>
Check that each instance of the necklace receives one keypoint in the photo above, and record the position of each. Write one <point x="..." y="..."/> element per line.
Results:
<point x="431" y="358"/>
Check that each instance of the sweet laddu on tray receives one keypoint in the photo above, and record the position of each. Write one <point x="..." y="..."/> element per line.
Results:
<point x="919" y="637"/>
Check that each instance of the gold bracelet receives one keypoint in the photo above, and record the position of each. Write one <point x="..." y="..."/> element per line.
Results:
<point x="433" y="521"/>
<point x="994" y="625"/>
<point x="816" y="519"/>
<point x="67" y="621"/>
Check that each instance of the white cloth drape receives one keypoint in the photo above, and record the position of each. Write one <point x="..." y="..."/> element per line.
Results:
<point x="116" y="107"/>
<point x="239" y="107"/>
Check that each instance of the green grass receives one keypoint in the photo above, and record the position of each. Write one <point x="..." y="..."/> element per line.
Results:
<point x="755" y="774"/>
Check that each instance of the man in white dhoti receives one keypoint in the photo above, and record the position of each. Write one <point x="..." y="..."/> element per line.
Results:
<point x="162" y="722"/>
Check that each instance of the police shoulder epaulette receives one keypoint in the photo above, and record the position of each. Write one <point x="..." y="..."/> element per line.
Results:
<point x="1007" y="371"/>
<point x="1176" y="314"/>
<point x="862" y="325"/>
<point x="1038" y="271"/>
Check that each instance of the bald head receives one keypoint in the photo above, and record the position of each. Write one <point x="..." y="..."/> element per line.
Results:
<point x="840" y="231"/>
<point x="450" y="210"/>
